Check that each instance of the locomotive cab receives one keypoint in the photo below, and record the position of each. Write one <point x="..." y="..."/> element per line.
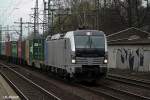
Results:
<point x="88" y="54"/>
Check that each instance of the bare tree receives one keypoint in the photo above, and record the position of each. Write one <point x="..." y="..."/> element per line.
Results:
<point x="132" y="12"/>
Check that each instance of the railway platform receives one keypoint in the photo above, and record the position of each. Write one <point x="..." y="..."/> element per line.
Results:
<point x="6" y="92"/>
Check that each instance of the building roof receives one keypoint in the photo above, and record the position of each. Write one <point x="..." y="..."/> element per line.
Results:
<point x="130" y="36"/>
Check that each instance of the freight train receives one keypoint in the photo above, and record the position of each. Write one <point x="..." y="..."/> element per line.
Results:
<point x="78" y="55"/>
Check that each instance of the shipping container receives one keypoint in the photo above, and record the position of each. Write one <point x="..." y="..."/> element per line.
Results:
<point x="21" y="52"/>
<point x="36" y="49"/>
<point x="14" y="52"/>
<point x="0" y="48"/>
<point x="27" y="51"/>
<point x="46" y="53"/>
<point x="8" y="50"/>
<point x="0" y="42"/>
<point x="2" y="51"/>
<point x="3" y="47"/>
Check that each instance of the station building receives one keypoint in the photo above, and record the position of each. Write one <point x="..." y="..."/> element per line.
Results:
<point x="129" y="49"/>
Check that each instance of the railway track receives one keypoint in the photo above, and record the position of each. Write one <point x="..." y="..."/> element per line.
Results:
<point x="117" y="92"/>
<point x="26" y="88"/>
<point x="109" y="92"/>
<point x="15" y="88"/>
<point x="44" y="82"/>
<point x="114" y="93"/>
<point x="99" y="92"/>
<point x="121" y="93"/>
<point x="132" y="81"/>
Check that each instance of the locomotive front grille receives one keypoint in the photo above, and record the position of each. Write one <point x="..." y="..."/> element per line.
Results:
<point x="89" y="61"/>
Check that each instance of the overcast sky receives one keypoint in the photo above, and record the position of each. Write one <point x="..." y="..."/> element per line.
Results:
<point x="12" y="10"/>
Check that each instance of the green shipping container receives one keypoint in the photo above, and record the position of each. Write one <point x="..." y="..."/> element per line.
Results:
<point x="14" y="51"/>
<point x="36" y="49"/>
<point x="30" y="52"/>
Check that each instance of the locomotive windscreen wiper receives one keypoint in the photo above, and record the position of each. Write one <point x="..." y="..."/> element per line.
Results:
<point x="88" y="43"/>
<point x="92" y="44"/>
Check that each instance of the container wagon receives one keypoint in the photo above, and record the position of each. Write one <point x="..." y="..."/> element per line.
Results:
<point x="79" y="55"/>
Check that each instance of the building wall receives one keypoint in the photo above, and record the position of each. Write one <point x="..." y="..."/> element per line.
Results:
<point x="133" y="57"/>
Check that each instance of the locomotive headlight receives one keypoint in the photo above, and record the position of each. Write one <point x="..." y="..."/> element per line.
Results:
<point x="73" y="58"/>
<point x="73" y="61"/>
<point x="105" y="61"/>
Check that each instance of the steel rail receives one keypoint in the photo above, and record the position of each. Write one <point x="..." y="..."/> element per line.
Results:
<point x="28" y="80"/>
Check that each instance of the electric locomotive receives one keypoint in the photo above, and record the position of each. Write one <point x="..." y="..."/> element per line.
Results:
<point x="79" y="55"/>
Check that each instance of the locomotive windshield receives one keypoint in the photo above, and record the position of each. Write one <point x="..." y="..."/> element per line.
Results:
<point x="86" y="41"/>
<point x="89" y="44"/>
